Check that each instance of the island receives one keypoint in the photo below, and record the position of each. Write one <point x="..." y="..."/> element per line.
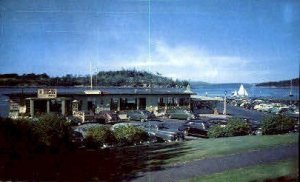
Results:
<point x="285" y="83"/>
<point x="121" y="78"/>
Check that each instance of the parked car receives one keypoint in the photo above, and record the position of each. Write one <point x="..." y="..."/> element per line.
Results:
<point x="148" y="114"/>
<point x="254" y="126"/>
<point x="180" y="114"/>
<point x="216" y="121"/>
<point x="84" y="127"/>
<point x="107" y="117"/>
<point x="74" y="120"/>
<point x="117" y="125"/>
<point x="195" y="128"/>
<point x="136" y="115"/>
<point x="162" y="131"/>
<point x="77" y="138"/>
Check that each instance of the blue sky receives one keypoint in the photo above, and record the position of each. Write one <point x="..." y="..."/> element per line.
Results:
<point x="208" y="40"/>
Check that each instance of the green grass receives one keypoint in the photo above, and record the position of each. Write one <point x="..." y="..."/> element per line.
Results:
<point x="254" y="173"/>
<point x="199" y="149"/>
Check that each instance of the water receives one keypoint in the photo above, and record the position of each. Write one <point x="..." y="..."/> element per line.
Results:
<point x="253" y="91"/>
<point x="212" y="90"/>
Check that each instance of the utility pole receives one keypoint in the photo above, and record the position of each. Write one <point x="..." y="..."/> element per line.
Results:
<point x="96" y="76"/>
<point x="225" y="109"/>
<point x="91" y="75"/>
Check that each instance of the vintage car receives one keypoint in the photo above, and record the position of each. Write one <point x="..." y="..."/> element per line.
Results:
<point x="107" y="117"/>
<point x="162" y="131"/>
<point x="195" y="128"/>
<point x="136" y="115"/>
<point x="180" y="114"/>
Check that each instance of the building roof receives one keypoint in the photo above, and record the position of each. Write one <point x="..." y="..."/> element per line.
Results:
<point x="205" y="98"/>
<point x="73" y="91"/>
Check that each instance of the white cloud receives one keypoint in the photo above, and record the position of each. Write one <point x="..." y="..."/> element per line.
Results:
<point x="193" y="63"/>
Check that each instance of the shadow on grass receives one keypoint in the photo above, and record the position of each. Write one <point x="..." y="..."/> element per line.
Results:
<point x="115" y="164"/>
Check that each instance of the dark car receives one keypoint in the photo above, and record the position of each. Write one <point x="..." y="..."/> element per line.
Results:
<point x="162" y="131"/>
<point x="255" y="127"/>
<point x="107" y="117"/>
<point x="216" y="121"/>
<point x="195" y="128"/>
<point x="77" y="138"/>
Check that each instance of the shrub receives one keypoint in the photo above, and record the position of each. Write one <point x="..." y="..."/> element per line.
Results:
<point x="237" y="127"/>
<point x="17" y="136"/>
<point x="276" y="125"/>
<point x="99" y="136"/>
<point x="234" y="127"/>
<point x="216" y="132"/>
<point x="53" y="131"/>
<point x="128" y="135"/>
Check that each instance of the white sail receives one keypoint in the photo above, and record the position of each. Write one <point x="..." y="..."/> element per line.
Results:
<point x="235" y="93"/>
<point x="246" y="93"/>
<point x="242" y="91"/>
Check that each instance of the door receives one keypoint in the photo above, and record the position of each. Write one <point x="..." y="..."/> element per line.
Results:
<point x="142" y="102"/>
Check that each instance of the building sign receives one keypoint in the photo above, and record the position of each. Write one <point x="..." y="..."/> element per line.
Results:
<point x="47" y="93"/>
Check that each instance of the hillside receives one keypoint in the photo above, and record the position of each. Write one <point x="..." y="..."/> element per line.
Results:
<point x="198" y="83"/>
<point x="284" y="83"/>
<point x="130" y="78"/>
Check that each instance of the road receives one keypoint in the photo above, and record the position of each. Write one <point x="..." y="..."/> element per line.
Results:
<point x="219" y="164"/>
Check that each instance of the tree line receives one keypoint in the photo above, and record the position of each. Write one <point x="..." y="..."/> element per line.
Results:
<point x="284" y="83"/>
<point x="132" y="78"/>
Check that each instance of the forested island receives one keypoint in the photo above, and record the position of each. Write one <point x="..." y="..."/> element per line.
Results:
<point x="284" y="83"/>
<point x="122" y="78"/>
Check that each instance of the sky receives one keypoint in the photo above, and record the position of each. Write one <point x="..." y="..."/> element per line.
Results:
<point x="216" y="41"/>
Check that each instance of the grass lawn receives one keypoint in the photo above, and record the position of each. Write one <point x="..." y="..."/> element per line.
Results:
<point x="199" y="149"/>
<point x="254" y="173"/>
<point x="124" y="163"/>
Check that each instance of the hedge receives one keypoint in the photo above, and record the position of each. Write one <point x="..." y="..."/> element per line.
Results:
<point x="234" y="127"/>
<point x="276" y="124"/>
<point x="99" y="137"/>
<point x="128" y="135"/>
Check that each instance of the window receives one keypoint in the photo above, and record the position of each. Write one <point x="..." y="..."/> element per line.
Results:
<point x="161" y="102"/>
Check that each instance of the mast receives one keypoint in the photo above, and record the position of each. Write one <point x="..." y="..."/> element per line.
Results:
<point x="291" y="89"/>
<point x="91" y="75"/>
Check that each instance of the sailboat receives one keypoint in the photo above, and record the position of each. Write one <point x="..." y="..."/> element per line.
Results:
<point x="242" y="91"/>
<point x="234" y="93"/>
<point x="291" y="93"/>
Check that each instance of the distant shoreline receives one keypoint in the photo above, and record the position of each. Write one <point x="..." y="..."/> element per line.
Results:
<point x="281" y="84"/>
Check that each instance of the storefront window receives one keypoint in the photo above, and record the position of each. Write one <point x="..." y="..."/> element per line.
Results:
<point x="128" y="103"/>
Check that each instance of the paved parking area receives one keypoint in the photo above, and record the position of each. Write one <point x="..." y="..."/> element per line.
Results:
<point x="242" y="112"/>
